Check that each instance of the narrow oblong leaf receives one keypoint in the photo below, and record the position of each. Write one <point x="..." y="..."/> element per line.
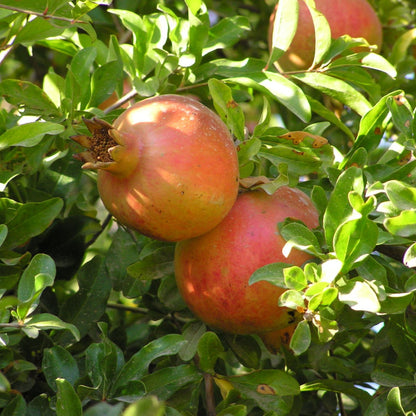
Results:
<point x="359" y="296"/>
<point x="39" y="274"/>
<point x="322" y="32"/>
<point x="209" y="350"/>
<point x="137" y="366"/>
<point x="336" y="88"/>
<point x="58" y="362"/>
<point x="31" y="219"/>
<point x="29" y="134"/>
<point x="339" y="209"/>
<point x="301" y="338"/>
<point x="284" y="28"/>
<point x="45" y="321"/>
<point x="68" y="402"/>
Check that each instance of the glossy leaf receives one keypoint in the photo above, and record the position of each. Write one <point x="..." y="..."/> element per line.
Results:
<point x="209" y="350"/>
<point x="36" y="277"/>
<point x="28" y="135"/>
<point x="284" y="28"/>
<point x="336" y="88"/>
<point x="272" y="273"/>
<point x="322" y="33"/>
<point x="88" y="304"/>
<point x="59" y="363"/>
<point x="147" y="406"/>
<point x="359" y="296"/>
<point x="30" y="220"/>
<point x="339" y="209"/>
<point x="67" y="400"/>
<point x="137" y="366"/>
<point x="301" y="338"/>
<point x="227" y="108"/>
<point x="45" y="321"/>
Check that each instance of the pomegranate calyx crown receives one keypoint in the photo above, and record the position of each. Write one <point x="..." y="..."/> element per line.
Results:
<point x="105" y="146"/>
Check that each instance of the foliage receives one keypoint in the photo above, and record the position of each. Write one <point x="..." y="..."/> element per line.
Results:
<point x="90" y="318"/>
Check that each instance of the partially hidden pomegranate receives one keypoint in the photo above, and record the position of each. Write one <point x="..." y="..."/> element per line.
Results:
<point x="345" y="17"/>
<point x="213" y="270"/>
<point x="167" y="167"/>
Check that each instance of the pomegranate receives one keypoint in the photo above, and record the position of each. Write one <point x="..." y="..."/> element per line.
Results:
<point x="167" y="167"/>
<point x="345" y="17"/>
<point x="273" y="340"/>
<point x="212" y="271"/>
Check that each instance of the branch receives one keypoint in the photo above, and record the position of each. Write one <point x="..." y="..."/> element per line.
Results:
<point x="97" y="234"/>
<point x="39" y="14"/>
<point x="209" y="394"/>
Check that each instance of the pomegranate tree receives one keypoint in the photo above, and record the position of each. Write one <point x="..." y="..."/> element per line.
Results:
<point x="213" y="270"/>
<point x="167" y="167"/>
<point x="345" y="17"/>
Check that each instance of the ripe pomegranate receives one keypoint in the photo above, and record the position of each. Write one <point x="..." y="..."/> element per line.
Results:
<point x="212" y="271"/>
<point x="167" y="167"/>
<point x="345" y="17"/>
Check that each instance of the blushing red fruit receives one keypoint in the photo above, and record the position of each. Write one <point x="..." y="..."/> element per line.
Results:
<point x="167" y="167"/>
<point x="345" y="17"/>
<point x="212" y="271"/>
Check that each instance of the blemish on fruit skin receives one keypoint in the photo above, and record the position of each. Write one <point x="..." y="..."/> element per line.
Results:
<point x="265" y="389"/>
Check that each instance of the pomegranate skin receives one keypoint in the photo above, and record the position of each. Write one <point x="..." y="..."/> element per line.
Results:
<point x="212" y="271"/>
<point x="345" y="17"/>
<point x="174" y="173"/>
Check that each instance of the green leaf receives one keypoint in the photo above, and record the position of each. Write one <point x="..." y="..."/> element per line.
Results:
<point x="394" y="405"/>
<point x="339" y="209"/>
<point x="67" y="401"/>
<point x="147" y="406"/>
<point x="354" y="240"/>
<point x="284" y="27"/>
<point x="88" y="304"/>
<point x="29" y="134"/>
<point x="103" y="362"/>
<point x="372" y="126"/>
<point x="401" y="113"/>
<point x="322" y="33"/>
<point x="226" y="33"/>
<point x="30" y="220"/>
<point x="360" y="296"/>
<point x="301" y="237"/>
<point x="273" y="273"/>
<point x="295" y="278"/>
<point x="280" y="88"/>
<point x="291" y="299"/>
<point x="44" y="321"/>
<point x="192" y="333"/>
<point x="267" y="382"/>
<point x="165" y="382"/>
<point x="137" y="366"/>
<point x="209" y="350"/>
<point x="30" y="96"/>
<point x="153" y="265"/>
<point x="3" y="233"/>
<point x="227" y="108"/>
<point x="409" y="258"/>
<point x="401" y="195"/>
<point x="39" y="274"/>
<point x="391" y="375"/>
<point x="336" y="88"/>
<point x="16" y="407"/>
<point x="58" y="362"/>
<point x="245" y="348"/>
<point x="301" y="338"/>
<point x="104" y="408"/>
<point x="403" y="225"/>
<point x="402" y="43"/>
<point x="103" y="82"/>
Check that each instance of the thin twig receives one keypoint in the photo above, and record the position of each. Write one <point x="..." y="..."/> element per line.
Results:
<point x="209" y="394"/>
<point x="341" y="405"/>
<point x="40" y="14"/>
<point x="134" y="309"/>
<point x="98" y="233"/>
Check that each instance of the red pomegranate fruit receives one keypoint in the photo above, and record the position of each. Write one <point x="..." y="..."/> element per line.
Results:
<point x="345" y="17"/>
<point x="213" y="270"/>
<point x="167" y="167"/>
